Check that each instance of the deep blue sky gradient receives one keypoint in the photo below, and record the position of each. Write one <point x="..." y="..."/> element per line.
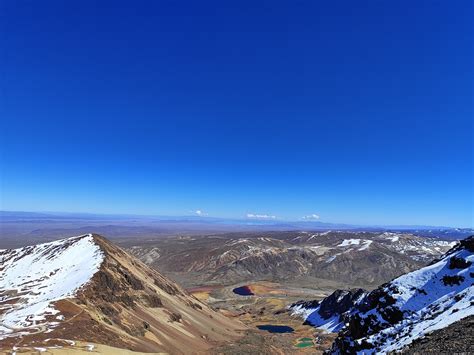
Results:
<point x="360" y="112"/>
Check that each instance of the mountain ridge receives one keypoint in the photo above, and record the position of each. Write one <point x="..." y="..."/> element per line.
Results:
<point x="123" y="303"/>
<point x="391" y="317"/>
<point x="359" y="259"/>
<point x="278" y="224"/>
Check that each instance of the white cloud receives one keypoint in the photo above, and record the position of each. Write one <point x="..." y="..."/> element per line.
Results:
<point x="311" y="217"/>
<point x="260" y="216"/>
<point x="200" y="213"/>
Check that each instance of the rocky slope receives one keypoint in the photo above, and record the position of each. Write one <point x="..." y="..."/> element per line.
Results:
<point x="87" y="289"/>
<point x="456" y="337"/>
<point x="357" y="259"/>
<point x="330" y="313"/>
<point x="400" y="314"/>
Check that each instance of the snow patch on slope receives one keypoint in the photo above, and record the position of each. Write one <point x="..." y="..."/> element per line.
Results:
<point x="403" y="310"/>
<point x="427" y="303"/>
<point x="393" y="237"/>
<point x="34" y="277"/>
<point x="365" y="245"/>
<point x="312" y="316"/>
<point x="347" y="242"/>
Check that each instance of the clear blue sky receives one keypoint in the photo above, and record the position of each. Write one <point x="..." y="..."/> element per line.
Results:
<point x="359" y="112"/>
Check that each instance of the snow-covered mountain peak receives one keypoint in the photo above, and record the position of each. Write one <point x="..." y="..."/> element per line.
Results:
<point x="397" y="313"/>
<point x="87" y="289"/>
<point x="33" y="277"/>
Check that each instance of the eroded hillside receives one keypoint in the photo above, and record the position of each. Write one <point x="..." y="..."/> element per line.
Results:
<point x="87" y="289"/>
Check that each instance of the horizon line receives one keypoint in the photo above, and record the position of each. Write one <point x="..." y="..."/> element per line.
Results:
<point x="269" y="221"/>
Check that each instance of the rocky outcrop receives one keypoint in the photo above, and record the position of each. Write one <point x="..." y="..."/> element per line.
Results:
<point x="340" y="302"/>
<point x="407" y="309"/>
<point x="332" y="311"/>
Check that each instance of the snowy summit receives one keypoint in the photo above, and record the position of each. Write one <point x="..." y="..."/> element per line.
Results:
<point x="34" y="277"/>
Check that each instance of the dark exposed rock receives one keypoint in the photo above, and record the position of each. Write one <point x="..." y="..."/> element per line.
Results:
<point x="392" y="314"/>
<point x="108" y="282"/>
<point x="152" y="301"/>
<point x="196" y="306"/>
<point x="108" y="310"/>
<point x="175" y="317"/>
<point x="127" y="300"/>
<point x="306" y="304"/>
<point x="170" y="289"/>
<point x="468" y="243"/>
<point x="135" y="283"/>
<point x="339" y="301"/>
<point x="458" y="263"/>
<point x="452" y="280"/>
<point x="420" y="290"/>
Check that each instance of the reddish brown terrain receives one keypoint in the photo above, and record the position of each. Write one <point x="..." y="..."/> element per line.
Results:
<point x="124" y="305"/>
<point x="128" y="305"/>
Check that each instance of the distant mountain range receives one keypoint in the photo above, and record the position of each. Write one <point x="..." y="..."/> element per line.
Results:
<point x="356" y="259"/>
<point x="205" y="223"/>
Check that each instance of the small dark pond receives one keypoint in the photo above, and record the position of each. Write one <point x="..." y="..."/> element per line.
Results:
<point x="276" y="328"/>
<point x="243" y="291"/>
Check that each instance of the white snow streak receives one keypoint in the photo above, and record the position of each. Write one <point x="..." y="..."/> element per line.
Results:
<point x="34" y="277"/>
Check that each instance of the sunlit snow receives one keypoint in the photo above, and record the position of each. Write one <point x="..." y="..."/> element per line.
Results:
<point x="32" y="278"/>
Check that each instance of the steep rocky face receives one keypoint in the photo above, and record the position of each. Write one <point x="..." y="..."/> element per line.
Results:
<point x="87" y="289"/>
<point x="330" y="313"/>
<point x="339" y="302"/>
<point x="405" y="310"/>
